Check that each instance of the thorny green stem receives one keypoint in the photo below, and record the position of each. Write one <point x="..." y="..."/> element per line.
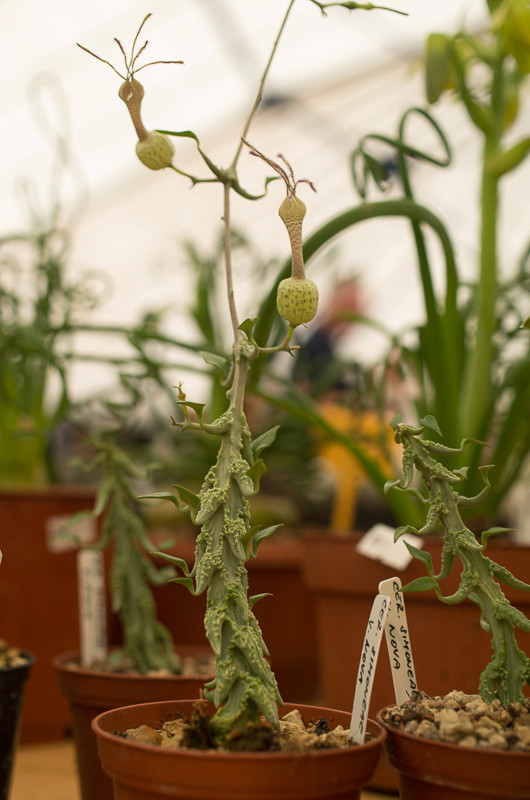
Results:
<point x="244" y="686"/>
<point x="509" y="670"/>
<point x="146" y="640"/>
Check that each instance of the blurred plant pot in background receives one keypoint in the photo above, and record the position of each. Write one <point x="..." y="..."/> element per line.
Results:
<point x="12" y="685"/>
<point x="38" y="593"/>
<point x="90" y="692"/>
<point x="344" y="583"/>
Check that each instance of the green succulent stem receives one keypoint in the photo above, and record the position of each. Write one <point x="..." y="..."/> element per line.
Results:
<point x="145" y="639"/>
<point x="244" y="686"/>
<point x="509" y="669"/>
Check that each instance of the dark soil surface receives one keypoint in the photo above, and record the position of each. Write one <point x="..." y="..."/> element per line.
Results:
<point x="120" y="664"/>
<point x="195" y="733"/>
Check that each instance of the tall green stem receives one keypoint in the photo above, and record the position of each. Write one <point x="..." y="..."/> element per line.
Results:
<point x="476" y="387"/>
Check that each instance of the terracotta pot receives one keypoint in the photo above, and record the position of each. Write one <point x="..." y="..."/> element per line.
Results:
<point x="89" y="693"/>
<point x="144" y="772"/>
<point x="344" y="584"/>
<point x="278" y="570"/>
<point x="38" y="595"/>
<point x="439" y="771"/>
<point x="12" y="685"/>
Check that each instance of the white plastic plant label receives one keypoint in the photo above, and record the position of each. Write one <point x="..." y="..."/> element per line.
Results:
<point x="92" y="607"/>
<point x="367" y="665"/>
<point x="398" y="641"/>
<point x="379" y="545"/>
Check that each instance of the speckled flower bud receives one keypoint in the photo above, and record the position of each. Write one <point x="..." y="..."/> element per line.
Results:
<point x="292" y="212"/>
<point x="156" y="151"/>
<point x="297" y="300"/>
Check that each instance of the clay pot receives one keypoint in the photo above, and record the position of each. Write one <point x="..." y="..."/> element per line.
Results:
<point x="146" y="772"/>
<point x="38" y="594"/>
<point x="440" y="771"/>
<point x="344" y="583"/>
<point x="89" y="693"/>
<point x="12" y="684"/>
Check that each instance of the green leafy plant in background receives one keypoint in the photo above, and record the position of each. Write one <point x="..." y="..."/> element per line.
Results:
<point x="33" y="348"/>
<point x="472" y="371"/>
<point x="147" y="643"/>
<point x="469" y="365"/>
<point x="509" y="670"/>
<point x="244" y="686"/>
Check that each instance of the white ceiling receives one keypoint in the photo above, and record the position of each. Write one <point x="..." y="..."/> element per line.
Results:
<point x="345" y="74"/>
<point x="224" y="44"/>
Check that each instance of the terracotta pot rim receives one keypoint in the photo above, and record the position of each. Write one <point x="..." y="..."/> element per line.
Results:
<point x="489" y="752"/>
<point x="61" y="663"/>
<point x="378" y="731"/>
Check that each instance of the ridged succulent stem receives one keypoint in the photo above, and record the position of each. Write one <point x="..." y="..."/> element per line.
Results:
<point x="508" y="672"/>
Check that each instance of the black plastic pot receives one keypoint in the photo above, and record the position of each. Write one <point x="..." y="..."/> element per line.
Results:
<point x="12" y="682"/>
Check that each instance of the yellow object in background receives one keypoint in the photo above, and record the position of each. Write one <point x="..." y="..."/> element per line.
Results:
<point x="374" y="436"/>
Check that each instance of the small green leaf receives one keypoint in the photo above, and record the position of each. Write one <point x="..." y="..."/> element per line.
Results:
<point x="255" y="473"/>
<point x="175" y="560"/>
<point x="421" y="585"/>
<point x="161" y="496"/>
<point x="395" y="484"/>
<point x="187" y="497"/>
<point x="181" y="134"/>
<point x="264" y="440"/>
<point x="395" y="421"/>
<point x="214" y="360"/>
<point x="198" y="408"/>
<point x="421" y="555"/>
<point x="260" y="537"/>
<point x="404" y="529"/>
<point x="255" y="597"/>
<point x="430" y="422"/>
<point x="187" y="582"/>
<point x="491" y="532"/>
<point x="247" y="326"/>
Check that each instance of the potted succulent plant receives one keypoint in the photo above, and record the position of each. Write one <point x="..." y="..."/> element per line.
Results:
<point x="45" y="326"/>
<point x="243" y="699"/>
<point x="467" y="364"/>
<point x="148" y="666"/>
<point x="291" y="477"/>
<point x="15" y="669"/>
<point x="475" y="745"/>
<point x="38" y="300"/>
<point x="43" y="306"/>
